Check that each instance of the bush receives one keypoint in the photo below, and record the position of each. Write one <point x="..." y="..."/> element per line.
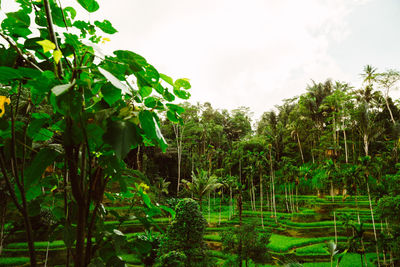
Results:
<point x="185" y="234"/>
<point x="254" y="243"/>
<point x="173" y="259"/>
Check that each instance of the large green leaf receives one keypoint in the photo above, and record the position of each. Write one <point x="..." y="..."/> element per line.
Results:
<point x="122" y="136"/>
<point x="136" y="62"/>
<point x="176" y="108"/>
<point x="17" y="24"/>
<point x="111" y="93"/>
<point x="36" y="131"/>
<point x="105" y="26"/>
<point x="167" y="79"/>
<point x="145" y="91"/>
<point x="7" y="74"/>
<point x="114" y="81"/>
<point x="62" y="88"/>
<point x="89" y="5"/>
<point x="35" y="170"/>
<point x="151" y="129"/>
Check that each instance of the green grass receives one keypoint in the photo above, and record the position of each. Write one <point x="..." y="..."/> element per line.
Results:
<point x="215" y="238"/>
<point x="316" y="249"/>
<point x="281" y="243"/>
<point x="13" y="261"/>
<point x="349" y="260"/>
<point x="38" y="245"/>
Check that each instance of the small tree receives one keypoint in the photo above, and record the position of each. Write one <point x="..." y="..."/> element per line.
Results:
<point x="256" y="243"/>
<point x="185" y="234"/>
<point x="202" y="184"/>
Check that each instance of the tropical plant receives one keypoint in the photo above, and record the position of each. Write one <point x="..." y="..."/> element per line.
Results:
<point x="201" y="185"/>
<point x="71" y="119"/>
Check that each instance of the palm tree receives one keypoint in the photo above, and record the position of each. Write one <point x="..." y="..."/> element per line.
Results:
<point x="162" y="187"/>
<point x="201" y="184"/>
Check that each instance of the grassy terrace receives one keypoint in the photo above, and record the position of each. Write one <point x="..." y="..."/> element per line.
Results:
<point x="281" y="243"/>
<point x="292" y="235"/>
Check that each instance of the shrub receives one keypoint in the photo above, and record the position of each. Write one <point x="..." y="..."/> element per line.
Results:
<point x="254" y="243"/>
<point x="173" y="259"/>
<point x="185" y="234"/>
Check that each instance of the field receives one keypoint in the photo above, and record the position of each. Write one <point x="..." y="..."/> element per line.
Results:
<point x="300" y="237"/>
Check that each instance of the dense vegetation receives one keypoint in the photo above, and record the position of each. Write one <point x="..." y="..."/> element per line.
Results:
<point x="87" y="178"/>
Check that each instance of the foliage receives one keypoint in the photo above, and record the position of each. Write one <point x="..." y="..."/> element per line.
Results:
<point x="254" y="243"/>
<point x="173" y="258"/>
<point x="202" y="184"/>
<point x="185" y="234"/>
<point x="71" y="119"/>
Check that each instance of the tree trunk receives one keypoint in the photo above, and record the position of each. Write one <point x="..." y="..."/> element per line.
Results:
<point x="297" y="199"/>
<point x="373" y="222"/>
<point x="390" y="111"/>
<point x="230" y="203"/>
<point x="286" y="199"/>
<point x="209" y="207"/>
<point x="345" y="144"/>
<point x="365" y="139"/>
<point x="301" y="150"/>
<point x="273" y="184"/>
<point x="240" y="223"/>
<point x="334" y="221"/>
<point x="3" y="211"/>
<point x="220" y="206"/>
<point x="261" y="200"/>
<point x="178" y="130"/>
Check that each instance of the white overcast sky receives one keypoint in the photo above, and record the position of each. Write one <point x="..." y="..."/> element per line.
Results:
<point x="255" y="53"/>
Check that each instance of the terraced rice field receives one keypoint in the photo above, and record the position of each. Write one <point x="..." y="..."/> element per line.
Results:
<point x="299" y="237"/>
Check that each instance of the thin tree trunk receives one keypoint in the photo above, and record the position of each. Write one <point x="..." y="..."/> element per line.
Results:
<point x="179" y="136"/>
<point x="273" y="182"/>
<point x="390" y="111"/>
<point x="220" y="206"/>
<point x="3" y="211"/>
<point x="292" y="197"/>
<point x="209" y="207"/>
<point x="365" y="139"/>
<point x="286" y="200"/>
<point x="254" y="193"/>
<point x="251" y="196"/>
<point x="334" y="221"/>
<point x="345" y="144"/>
<point x="230" y="203"/>
<point x="383" y="250"/>
<point x="301" y="150"/>
<point x="373" y="223"/>
<point x="297" y="199"/>
<point x="261" y="200"/>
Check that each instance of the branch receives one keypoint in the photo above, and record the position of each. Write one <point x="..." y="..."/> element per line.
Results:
<point x="5" y="37"/>
<point x="52" y="33"/>
<point x="8" y="182"/>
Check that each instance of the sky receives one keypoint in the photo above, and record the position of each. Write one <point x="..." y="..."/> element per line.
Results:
<point x="255" y="53"/>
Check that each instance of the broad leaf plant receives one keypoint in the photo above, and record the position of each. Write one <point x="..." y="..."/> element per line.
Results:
<point x="68" y="119"/>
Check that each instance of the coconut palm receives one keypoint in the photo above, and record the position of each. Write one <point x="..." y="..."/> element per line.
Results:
<point x="201" y="184"/>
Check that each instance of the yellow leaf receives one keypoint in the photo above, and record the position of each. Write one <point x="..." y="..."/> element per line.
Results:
<point x="47" y="45"/>
<point x="105" y="39"/>
<point x="3" y="100"/>
<point x="57" y="56"/>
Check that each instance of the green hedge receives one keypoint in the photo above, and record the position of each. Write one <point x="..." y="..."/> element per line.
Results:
<point x="13" y="261"/>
